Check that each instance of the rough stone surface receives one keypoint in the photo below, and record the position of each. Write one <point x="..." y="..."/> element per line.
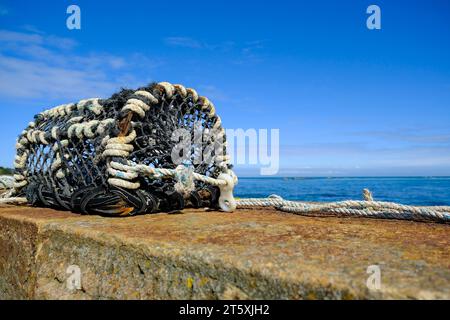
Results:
<point x="249" y="254"/>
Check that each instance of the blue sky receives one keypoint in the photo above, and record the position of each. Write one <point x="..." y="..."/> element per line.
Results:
<point x="347" y="100"/>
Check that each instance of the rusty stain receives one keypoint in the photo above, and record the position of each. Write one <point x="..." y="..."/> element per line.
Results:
<point x="125" y="125"/>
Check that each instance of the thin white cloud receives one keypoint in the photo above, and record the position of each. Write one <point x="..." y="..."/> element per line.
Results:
<point x="35" y="38"/>
<point x="410" y="135"/>
<point x="187" y="42"/>
<point x="213" y="93"/>
<point x="35" y="65"/>
<point x="183" y="42"/>
<point x="32" y="29"/>
<point x="240" y="53"/>
<point x="244" y="53"/>
<point x="12" y="37"/>
<point x="251" y="52"/>
<point x="33" y="79"/>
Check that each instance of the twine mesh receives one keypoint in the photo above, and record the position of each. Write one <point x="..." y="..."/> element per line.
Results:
<point x="64" y="157"/>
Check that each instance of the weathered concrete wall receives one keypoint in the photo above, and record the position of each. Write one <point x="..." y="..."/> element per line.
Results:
<point x="208" y="255"/>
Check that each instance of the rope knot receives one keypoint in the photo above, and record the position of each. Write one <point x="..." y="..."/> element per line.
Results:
<point x="275" y="197"/>
<point x="367" y="195"/>
<point x="185" y="180"/>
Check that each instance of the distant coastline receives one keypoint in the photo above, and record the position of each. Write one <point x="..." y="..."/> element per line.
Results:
<point x="6" y="171"/>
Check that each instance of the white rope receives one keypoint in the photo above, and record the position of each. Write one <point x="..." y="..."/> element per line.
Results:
<point x="368" y="209"/>
<point x="7" y="187"/>
<point x="123" y="171"/>
<point x="185" y="180"/>
<point x="13" y="201"/>
<point x="6" y="182"/>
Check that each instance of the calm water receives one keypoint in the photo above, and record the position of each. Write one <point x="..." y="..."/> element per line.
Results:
<point x="410" y="190"/>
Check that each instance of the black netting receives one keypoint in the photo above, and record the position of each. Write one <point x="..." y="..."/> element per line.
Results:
<point x="69" y="172"/>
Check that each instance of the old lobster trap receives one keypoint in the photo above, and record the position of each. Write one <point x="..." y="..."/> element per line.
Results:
<point x="137" y="152"/>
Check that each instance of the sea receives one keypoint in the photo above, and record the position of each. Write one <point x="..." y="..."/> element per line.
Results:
<point x="424" y="191"/>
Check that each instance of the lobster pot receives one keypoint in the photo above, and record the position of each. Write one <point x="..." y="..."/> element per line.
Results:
<point x="158" y="148"/>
